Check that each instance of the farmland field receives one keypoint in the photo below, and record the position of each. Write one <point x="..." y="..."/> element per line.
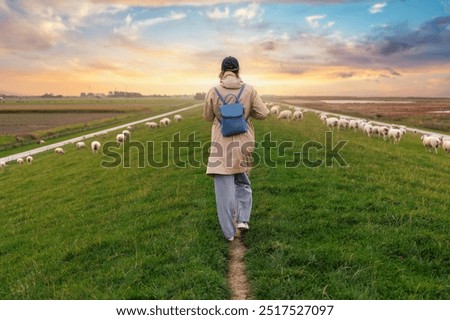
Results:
<point x="374" y="227"/>
<point x="423" y="113"/>
<point x="25" y="121"/>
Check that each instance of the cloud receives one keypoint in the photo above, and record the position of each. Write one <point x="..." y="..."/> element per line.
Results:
<point x="377" y="8"/>
<point x="345" y="75"/>
<point x="268" y="45"/>
<point x="251" y="14"/>
<point x="42" y="25"/>
<point x="132" y="29"/>
<point x="216" y="14"/>
<point x="314" y="20"/>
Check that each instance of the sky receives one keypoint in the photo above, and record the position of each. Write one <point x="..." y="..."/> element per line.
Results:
<point x="322" y="48"/>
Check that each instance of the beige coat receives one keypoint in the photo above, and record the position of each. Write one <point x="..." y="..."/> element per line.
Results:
<point x="231" y="155"/>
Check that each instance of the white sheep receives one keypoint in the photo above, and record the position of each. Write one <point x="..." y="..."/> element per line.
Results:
<point x="353" y="124"/>
<point x="395" y="135"/>
<point x="285" y="114"/>
<point x="376" y="130"/>
<point x="120" y="138"/>
<point x="275" y="110"/>
<point x="343" y="123"/>
<point x="446" y="145"/>
<point x="2" y="165"/>
<point x="383" y="131"/>
<point x="367" y="129"/>
<point x="431" y="142"/>
<point x="80" y="145"/>
<point x="126" y="134"/>
<point x="332" y="122"/>
<point x="298" y="115"/>
<point x="19" y="161"/>
<point x="129" y="128"/>
<point x="95" y="146"/>
<point x="151" y="125"/>
<point x="41" y="142"/>
<point x="59" y="151"/>
<point x="29" y="159"/>
<point x="178" y="117"/>
<point x="323" y="117"/>
<point x="164" y="122"/>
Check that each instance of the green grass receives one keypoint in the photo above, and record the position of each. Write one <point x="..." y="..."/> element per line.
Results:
<point x="126" y="110"/>
<point x="377" y="229"/>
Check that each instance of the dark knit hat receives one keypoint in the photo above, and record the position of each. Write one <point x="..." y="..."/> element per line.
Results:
<point x="230" y="64"/>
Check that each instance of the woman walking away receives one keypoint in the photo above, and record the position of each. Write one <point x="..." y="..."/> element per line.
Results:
<point x="232" y="144"/>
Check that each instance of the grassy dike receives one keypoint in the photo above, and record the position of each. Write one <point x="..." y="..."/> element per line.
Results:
<point x="377" y="229"/>
<point x="374" y="229"/>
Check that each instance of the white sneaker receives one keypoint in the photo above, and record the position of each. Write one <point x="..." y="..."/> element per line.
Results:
<point x="242" y="225"/>
<point x="230" y="239"/>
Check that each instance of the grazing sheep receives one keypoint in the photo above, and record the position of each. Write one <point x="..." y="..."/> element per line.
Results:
<point x="446" y="145"/>
<point x="151" y="125"/>
<point x="298" y="115"/>
<point x="332" y="122"/>
<point x="120" y="138"/>
<point x="29" y="159"/>
<point x="80" y="145"/>
<point x="95" y="146"/>
<point x="285" y="114"/>
<point x="361" y="124"/>
<point x="2" y="165"/>
<point x="367" y="129"/>
<point x="19" y="161"/>
<point x="395" y="135"/>
<point x="129" y="128"/>
<point x="59" y="151"/>
<point x="431" y="142"/>
<point x="126" y="134"/>
<point x="383" y="131"/>
<point x="164" y="122"/>
<point x="275" y="110"/>
<point x="178" y="117"/>
<point x="343" y="123"/>
<point x="323" y="118"/>
<point x="353" y="124"/>
<point x="376" y="130"/>
<point x="41" y="142"/>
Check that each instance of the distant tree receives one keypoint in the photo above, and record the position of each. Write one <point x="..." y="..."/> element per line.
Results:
<point x="200" y="96"/>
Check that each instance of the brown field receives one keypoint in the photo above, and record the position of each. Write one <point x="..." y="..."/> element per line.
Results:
<point x="429" y="113"/>
<point x="26" y="122"/>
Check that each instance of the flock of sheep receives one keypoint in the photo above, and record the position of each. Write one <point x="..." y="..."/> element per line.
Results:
<point x="96" y="145"/>
<point x="393" y="133"/>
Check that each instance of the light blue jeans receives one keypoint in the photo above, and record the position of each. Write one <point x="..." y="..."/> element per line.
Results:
<point x="233" y="192"/>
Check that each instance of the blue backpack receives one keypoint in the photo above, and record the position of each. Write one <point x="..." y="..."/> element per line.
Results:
<point x="233" y="121"/>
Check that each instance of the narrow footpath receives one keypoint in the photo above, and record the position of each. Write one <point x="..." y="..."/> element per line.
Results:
<point x="237" y="277"/>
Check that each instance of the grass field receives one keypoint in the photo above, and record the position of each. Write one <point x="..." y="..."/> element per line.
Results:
<point x="375" y="229"/>
<point x="27" y="120"/>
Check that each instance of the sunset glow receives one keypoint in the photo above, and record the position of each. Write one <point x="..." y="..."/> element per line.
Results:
<point x="335" y="47"/>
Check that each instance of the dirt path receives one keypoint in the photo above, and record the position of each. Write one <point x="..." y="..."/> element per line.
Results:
<point x="237" y="277"/>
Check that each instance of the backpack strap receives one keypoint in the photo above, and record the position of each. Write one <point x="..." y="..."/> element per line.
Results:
<point x="240" y="93"/>
<point x="220" y="97"/>
<point x="223" y="100"/>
